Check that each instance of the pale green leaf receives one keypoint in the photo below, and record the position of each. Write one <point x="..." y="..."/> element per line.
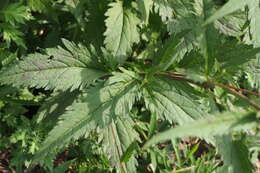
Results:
<point x="144" y="7"/>
<point x="218" y="124"/>
<point x="97" y="108"/>
<point x="254" y="16"/>
<point x="172" y="51"/>
<point x="7" y="57"/>
<point x="40" y="5"/>
<point x="54" y="107"/>
<point x="232" y="25"/>
<point x="59" y="69"/>
<point x="164" y="9"/>
<point x="253" y="74"/>
<point x="15" y="12"/>
<point x="74" y="124"/>
<point x="72" y="3"/>
<point x="171" y="100"/>
<point x="118" y="136"/>
<point x="185" y="21"/>
<point x="235" y="154"/>
<point x="11" y="33"/>
<point x="230" y="7"/>
<point x="233" y="55"/>
<point x="122" y="31"/>
<point x="207" y="37"/>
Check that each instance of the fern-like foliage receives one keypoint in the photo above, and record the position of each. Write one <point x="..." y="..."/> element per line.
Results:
<point x="99" y="107"/>
<point x="11" y="16"/>
<point x="58" y="69"/>
<point x="163" y="7"/>
<point x="15" y="13"/>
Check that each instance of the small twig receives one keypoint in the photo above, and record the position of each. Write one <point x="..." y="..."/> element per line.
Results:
<point x="180" y="76"/>
<point x="245" y="98"/>
<point x="234" y="88"/>
<point x="208" y="84"/>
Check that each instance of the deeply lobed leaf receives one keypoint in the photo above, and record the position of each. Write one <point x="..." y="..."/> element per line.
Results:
<point x="59" y="69"/>
<point x="98" y="108"/>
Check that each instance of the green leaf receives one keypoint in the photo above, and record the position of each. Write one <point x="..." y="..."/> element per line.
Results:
<point x="72" y="125"/>
<point x="230" y="7"/>
<point x="94" y="27"/>
<point x="208" y="37"/>
<point x="122" y="31"/>
<point x="59" y="69"/>
<point x="15" y="12"/>
<point x="7" y="57"/>
<point x="218" y="124"/>
<point x="172" y="100"/>
<point x="130" y="151"/>
<point x="144" y="7"/>
<point x="253" y="74"/>
<point x="72" y="3"/>
<point x="232" y="25"/>
<point x="98" y="107"/>
<point x="40" y="5"/>
<point x="235" y="154"/>
<point x="170" y="53"/>
<point x="182" y="8"/>
<point x="10" y="33"/>
<point x="54" y="107"/>
<point x="118" y="136"/>
<point x="164" y="9"/>
<point x="63" y="167"/>
<point x="233" y="55"/>
<point x="254" y="16"/>
<point x="185" y="21"/>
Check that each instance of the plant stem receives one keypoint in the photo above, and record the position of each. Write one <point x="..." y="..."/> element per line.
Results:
<point x="209" y="84"/>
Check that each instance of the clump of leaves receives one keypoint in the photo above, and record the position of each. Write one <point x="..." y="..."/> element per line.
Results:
<point x="155" y="64"/>
<point x="11" y="16"/>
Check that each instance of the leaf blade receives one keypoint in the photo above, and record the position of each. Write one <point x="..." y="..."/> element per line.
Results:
<point x="230" y="7"/>
<point x="97" y="108"/>
<point x="59" y="69"/>
<point x="212" y="125"/>
<point x="235" y="154"/>
<point x="171" y="100"/>
<point x="122" y="31"/>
